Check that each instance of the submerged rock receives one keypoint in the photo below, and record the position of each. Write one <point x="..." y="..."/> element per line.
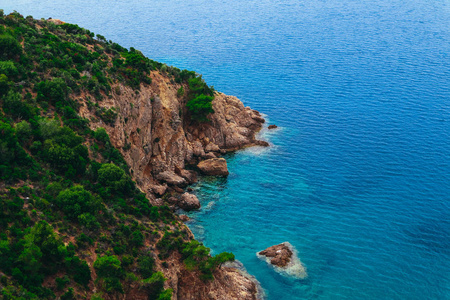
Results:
<point x="189" y="202"/>
<point x="285" y="260"/>
<point x="214" y="167"/>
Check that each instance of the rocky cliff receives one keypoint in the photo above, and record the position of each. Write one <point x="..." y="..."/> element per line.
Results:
<point x="155" y="136"/>
<point x="158" y="141"/>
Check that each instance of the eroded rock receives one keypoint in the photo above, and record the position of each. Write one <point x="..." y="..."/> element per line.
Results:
<point x="214" y="167"/>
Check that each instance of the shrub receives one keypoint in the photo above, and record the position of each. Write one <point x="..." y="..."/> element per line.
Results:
<point x="114" y="178"/>
<point x="9" y="47"/>
<point x="76" y="201"/>
<point x="200" y="107"/>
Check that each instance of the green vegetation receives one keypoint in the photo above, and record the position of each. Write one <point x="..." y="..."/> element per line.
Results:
<point x="200" y="99"/>
<point x="66" y="193"/>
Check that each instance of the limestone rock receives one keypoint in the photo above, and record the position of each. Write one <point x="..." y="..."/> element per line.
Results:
<point x="214" y="167"/>
<point x="189" y="202"/>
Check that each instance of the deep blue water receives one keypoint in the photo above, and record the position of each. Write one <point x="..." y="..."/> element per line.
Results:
<point x="358" y="177"/>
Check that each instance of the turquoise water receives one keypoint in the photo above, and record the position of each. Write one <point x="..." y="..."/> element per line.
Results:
<point x="358" y="177"/>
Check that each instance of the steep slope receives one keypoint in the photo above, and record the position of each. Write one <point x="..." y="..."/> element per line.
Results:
<point x="155" y="135"/>
<point x="95" y="140"/>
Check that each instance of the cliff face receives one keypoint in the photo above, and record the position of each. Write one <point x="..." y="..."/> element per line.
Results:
<point x="158" y="141"/>
<point x="154" y="135"/>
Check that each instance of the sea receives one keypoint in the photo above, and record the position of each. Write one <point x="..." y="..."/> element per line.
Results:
<point x="357" y="177"/>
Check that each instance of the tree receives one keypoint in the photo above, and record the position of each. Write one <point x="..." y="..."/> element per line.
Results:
<point x="110" y="270"/>
<point x="76" y="201"/>
<point x="9" y="47"/>
<point x="23" y="131"/>
<point x="200" y="107"/>
<point x="108" y="266"/>
<point x="114" y="178"/>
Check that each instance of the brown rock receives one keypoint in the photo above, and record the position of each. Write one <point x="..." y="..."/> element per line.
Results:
<point x="280" y="255"/>
<point x="189" y="202"/>
<point x="212" y="147"/>
<point x="171" y="178"/>
<point x="273" y="126"/>
<point x="190" y="176"/>
<point x="172" y="200"/>
<point x="214" y="167"/>
<point x="184" y="218"/>
<point x="262" y="143"/>
<point x="209" y="155"/>
<point x="159" y="190"/>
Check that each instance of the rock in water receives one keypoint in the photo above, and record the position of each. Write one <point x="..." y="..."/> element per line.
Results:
<point x="284" y="259"/>
<point x="189" y="202"/>
<point x="273" y="126"/>
<point x="214" y="167"/>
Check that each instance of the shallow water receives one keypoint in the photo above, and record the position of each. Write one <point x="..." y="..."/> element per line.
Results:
<point x="358" y="175"/>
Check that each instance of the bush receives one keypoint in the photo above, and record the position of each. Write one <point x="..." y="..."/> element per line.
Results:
<point x="110" y="270"/>
<point x="76" y="201"/>
<point x="9" y="47"/>
<point x="113" y="177"/>
<point x="146" y="264"/>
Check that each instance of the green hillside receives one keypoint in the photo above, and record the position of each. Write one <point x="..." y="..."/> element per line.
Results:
<point x="71" y="219"/>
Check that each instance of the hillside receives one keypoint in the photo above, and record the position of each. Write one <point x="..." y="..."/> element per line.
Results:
<point x="97" y="144"/>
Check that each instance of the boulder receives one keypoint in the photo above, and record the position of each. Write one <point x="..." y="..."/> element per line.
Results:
<point x="190" y="176"/>
<point x="171" y="178"/>
<point x="209" y="155"/>
<point x="188" y="202"/>
<point x="280" y="255"/>
<point x="212" y="147"/>
<point x="273" y="126"/>
<point x="262" y="143"/>
<point x="184" y="218"/>
<point x="158" y="190"/>
<point x="284" y="259"/>
<point x="214" y="167"/>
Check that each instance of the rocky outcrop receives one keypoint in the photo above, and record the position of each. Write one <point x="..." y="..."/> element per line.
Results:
<point x="188" y="202"/>
<point x="214" y="167"/>
<point x="285" y="260"/>
<point x="280" y="255"/>
<point x="272" y="126"/>
<point x="155" y="135"/>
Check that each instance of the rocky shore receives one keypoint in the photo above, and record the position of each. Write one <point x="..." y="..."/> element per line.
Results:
<point x="166" y="152"/>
